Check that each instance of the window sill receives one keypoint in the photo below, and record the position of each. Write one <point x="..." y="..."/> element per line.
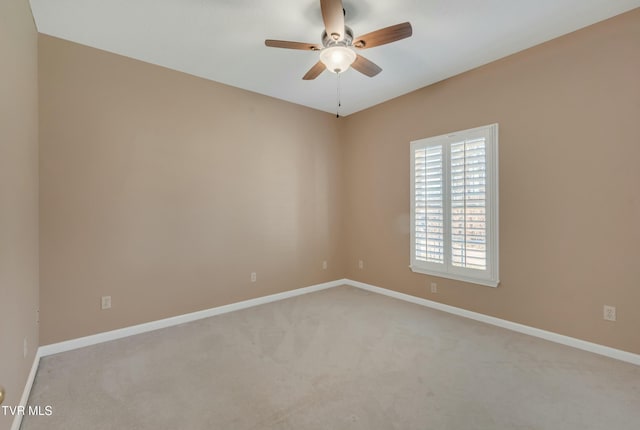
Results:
<point x="456" y="277"/>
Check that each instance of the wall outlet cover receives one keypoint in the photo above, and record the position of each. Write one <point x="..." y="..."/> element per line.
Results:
<point x="105" y="302"/>
<point x="609" y="313"/>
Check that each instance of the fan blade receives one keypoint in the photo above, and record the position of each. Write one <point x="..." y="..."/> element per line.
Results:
<point x="333" y="17"/>
<point x="384" y="36"/>
<point x="315" y="71"/>
<point x="366" y="67"/>
<point x="292" y="45"/>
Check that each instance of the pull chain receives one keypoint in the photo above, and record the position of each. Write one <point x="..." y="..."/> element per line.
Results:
<point x="338" y="97"/>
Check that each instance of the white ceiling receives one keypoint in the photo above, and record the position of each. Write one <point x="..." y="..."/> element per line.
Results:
<point x="223" y="40"/>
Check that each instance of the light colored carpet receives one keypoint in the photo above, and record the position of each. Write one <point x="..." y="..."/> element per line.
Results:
<point x="337" y="359"/>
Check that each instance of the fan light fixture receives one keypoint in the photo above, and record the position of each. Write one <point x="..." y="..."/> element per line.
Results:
<point x="337" y="59"/>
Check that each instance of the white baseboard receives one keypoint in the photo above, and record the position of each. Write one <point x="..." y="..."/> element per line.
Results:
<point x="81" y="342"/>
<point x="17" y="419"/>
<point x="520" y="328"/>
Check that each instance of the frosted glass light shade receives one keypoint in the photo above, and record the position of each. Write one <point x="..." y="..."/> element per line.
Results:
<point x="337" y="58"/>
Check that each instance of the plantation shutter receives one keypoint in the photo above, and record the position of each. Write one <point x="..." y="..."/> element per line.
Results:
<point x="468" y="204"/>
<point x="454" y="205"/>
<point x="429" y="207"/>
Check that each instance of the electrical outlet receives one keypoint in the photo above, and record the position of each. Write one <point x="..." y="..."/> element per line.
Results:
<point x="105" y="302"/>
<point x="434" y="287"/>
<point x="360" y="264"/>
<point x="324" y="265"/>
<point x="254" y="277"/>
<point x="609" y="313"/>
<point x="25" y="348"/>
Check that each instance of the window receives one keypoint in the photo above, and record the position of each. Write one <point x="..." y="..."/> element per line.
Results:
<point x="454" y="205"/>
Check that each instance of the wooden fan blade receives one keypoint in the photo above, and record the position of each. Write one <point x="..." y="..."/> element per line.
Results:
<point x="333" y="17"/>
<point x="384" y="36"/>
<point x="292" y="45"/>
<point x="366" y="67"/>
<point x="315" y="71"/>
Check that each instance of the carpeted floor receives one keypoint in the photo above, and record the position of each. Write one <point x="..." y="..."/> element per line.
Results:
<point x="341" y="358"/>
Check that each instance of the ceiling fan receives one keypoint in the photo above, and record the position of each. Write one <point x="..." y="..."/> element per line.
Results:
<point x="336" y="50"/>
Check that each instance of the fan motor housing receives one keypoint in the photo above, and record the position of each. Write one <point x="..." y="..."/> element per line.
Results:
<point x="328" y="41"/>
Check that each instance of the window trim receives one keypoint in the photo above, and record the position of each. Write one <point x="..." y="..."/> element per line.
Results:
<point x="490" y="276"/>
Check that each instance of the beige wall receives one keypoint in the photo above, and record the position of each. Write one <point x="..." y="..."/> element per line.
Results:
<point x="569" y="115"/>
<point x="18" y="197"/>
<point x="166" y="191"/>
